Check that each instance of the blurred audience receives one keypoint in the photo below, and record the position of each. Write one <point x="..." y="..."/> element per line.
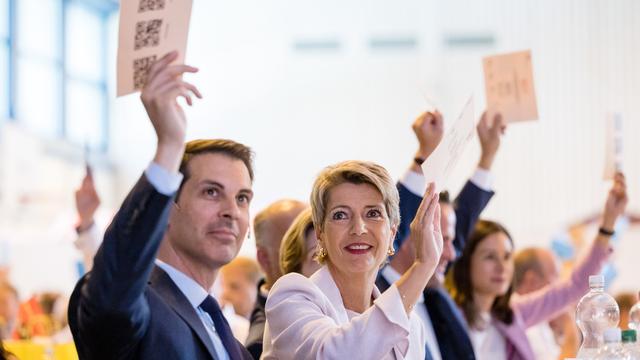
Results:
<point x="535" y="268"/>
<point x="9" y="306"/>
<point x="239" y="280"/>
<point x="481" y="283"/>
<point x="446" y="332"/>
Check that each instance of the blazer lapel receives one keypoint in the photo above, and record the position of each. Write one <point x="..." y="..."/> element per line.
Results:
<point x="324" y="281"/>
<point x="515" y="335"/>
<point x="163" y="284"/>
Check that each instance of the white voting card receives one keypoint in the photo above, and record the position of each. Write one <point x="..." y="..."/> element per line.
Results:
<point x="508" y="80"/>
<point x="439" y="165"/>
<point x="149" y="29"/>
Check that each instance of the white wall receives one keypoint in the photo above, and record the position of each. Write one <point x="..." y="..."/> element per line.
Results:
<point x="301" y="111"/>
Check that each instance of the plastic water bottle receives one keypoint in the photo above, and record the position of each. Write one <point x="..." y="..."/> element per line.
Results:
<point x="634" y="317"/>
<point x="612" y="349"/>
<point x="596" y="312"/>
<point x="630" y="344"/>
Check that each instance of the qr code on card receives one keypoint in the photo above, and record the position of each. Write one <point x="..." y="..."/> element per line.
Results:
<point x="151" y="5"/>
<point x="141" y="70"/>
<point x="147" y="33"/>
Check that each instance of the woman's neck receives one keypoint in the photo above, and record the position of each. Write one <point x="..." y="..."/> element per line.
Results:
<point x="483" y="302"/>
<point x="356" y="289"/>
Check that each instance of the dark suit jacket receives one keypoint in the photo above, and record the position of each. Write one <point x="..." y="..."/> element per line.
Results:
<point x="448" y="324"/>
<point x="468" y="206"/>
<point x="126" y="307"/>
<point x="256" y="327"/>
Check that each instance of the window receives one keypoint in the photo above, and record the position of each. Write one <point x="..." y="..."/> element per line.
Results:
<point x="4" y="59"/>
<point x="59" y="73"/>
<point x="85" y="53"/>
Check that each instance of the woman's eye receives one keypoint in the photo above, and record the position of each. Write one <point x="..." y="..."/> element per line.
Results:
<point x="374" y="213"/>
<point x="339" y="215"/>
<point x="243" y="199"/>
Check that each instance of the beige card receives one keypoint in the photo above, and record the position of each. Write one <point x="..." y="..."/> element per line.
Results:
<point x="149" y="29"/>
<point x="439" y="165"/>
<point x="508" y="80"/>
<point x="613" y="146"/>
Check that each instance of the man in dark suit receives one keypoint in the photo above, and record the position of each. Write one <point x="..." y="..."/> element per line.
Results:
<point x="147" y="296"/>
<point x="446" y="331"/>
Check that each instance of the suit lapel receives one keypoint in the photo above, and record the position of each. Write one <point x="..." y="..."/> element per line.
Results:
<point x="448" y="324"/>
<point x="162" y="283"/>
<point x="515" y="335"/>
<point x="323" y="280"/>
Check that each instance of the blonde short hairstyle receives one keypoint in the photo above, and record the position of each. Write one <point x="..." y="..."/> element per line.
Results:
<point x="354" y="172"/>
<point x="294" y="245"/>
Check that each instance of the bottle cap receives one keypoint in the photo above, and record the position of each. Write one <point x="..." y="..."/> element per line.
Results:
<point x="612" y="335"/>
<point x="596" y="281"/>
<point x="629" y="336"/>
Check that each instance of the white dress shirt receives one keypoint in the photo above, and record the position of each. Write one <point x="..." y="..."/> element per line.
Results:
<point x="488" y="344"/>
<point x="391" y="275"/>
<point x="416" y="183"/>
<point x="543" y="342"/>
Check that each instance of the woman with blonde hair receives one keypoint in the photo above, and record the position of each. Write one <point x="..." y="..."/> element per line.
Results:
<point x="338" y="312"/>
<point x="298" y="247"/>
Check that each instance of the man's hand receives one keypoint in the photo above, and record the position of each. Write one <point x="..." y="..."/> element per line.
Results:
<point x="87" y="202"/>
<point x="489" y="139"/>
<point x="429" y="130"/>
<point x="159" y="96"/>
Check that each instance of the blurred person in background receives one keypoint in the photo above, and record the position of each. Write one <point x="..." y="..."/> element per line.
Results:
<point x="299" y="247"/>
<point x="238" y="287"/>
<point x="558" y="338"/>
<point x="481" y="283"/>
<point x="625" y="301"/>
<point x="269" y="226"/>
<point x="9" y="306"/>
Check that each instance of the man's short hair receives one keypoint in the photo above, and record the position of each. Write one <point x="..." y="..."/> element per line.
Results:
<point x="226" y="147"/>
<point x="525" y="260"/>
<point x="263" y="219"/>
<point x="444" y="197"/>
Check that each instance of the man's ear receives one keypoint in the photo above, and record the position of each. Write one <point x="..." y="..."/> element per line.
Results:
<point x="263" y="258"/>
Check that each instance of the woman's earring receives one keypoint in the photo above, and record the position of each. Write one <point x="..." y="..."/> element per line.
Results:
<point x="321" y="253"/>
<point x="391" y="251"/>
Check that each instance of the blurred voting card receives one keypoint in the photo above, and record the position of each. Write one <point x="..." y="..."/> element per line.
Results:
<point x="508" y="81"/>
<point x="149" y="29"/>
<point x="613" y="146"/>
<point x="444" y="158"/>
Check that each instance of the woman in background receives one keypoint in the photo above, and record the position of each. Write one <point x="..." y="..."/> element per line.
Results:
<point x="481" y="284"/>
<point x="298" y="248"/>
